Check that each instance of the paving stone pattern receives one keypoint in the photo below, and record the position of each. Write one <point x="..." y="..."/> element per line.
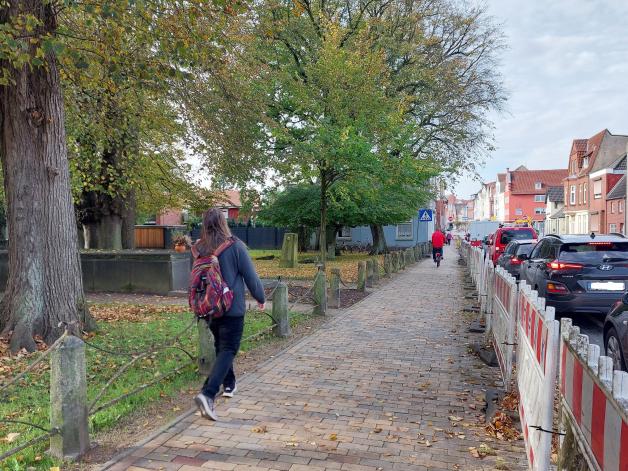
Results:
<point x="371" y="390"/>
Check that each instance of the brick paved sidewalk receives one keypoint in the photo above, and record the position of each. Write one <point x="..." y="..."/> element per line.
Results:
<point x="374" y="389"/>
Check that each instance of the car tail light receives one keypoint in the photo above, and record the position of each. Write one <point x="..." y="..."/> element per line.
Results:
<point x="515" y="261"/>
<point x="557" y="266"/>
<point x="558" y="288"/>
<point x="606" y="244"/>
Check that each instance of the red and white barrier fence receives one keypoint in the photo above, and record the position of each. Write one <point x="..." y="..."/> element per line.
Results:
<point x="537" y="367"/>
<point x="503" y="321"/>
<point x="594" y="399"/>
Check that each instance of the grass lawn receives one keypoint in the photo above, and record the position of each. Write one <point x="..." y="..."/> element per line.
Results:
<point x="348" y="264"/>
<point x="135" y="330"/>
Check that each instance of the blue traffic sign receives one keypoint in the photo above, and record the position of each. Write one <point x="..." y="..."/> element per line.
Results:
<point x="425" y="215"/>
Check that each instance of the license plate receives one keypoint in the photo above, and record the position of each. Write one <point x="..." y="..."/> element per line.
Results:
<point x="607" y="286"/>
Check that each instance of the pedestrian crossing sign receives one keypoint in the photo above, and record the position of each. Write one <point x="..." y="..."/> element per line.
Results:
<point x="425" y="215"/>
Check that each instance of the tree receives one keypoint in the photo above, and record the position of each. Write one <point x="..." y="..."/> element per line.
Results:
<point x="44" y="293"/>
<point x="438" y="73"/>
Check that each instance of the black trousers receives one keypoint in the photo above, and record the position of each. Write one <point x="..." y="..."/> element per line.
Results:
<point x="227" y="336"/>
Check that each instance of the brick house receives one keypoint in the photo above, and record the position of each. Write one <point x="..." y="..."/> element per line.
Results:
<point x="554" y="211"/>
<point x="525" y="192"/>
<point x="591" y="161"/>
<point x="616" y="206"/>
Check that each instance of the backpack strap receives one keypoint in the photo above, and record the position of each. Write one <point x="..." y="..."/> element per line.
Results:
<point x="224" y="246"/>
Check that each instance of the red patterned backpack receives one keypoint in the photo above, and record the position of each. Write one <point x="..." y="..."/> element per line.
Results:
<point x="209" y="296"/>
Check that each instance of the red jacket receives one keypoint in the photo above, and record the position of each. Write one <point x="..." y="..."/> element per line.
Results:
<point x="438" y="240"/>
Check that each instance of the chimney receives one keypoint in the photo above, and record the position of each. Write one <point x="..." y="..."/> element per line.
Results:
<point x="508" y="180"/>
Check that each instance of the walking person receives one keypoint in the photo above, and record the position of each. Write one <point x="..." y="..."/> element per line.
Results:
<point x="438" y="240"/>
<point x="449" y="237"/>
<point x="237" y="271"/>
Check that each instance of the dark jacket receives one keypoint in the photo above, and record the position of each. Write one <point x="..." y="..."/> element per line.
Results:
<point x="237" y="270"/>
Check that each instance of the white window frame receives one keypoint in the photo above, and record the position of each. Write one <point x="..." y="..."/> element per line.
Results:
<point x="572" y="195"/>
<point x="621" y="206"/>
<point x="401" y="236"/>
<point x="612" y="227"/>
<point x="584" y="193"/>
<point x="597" y="195"/>
<point x="585" y="162"/>
<point x="538" y="185"/>
<point x="539" y="198"/>
<point x="518" y="212"/>
<point x="539" y="210"/>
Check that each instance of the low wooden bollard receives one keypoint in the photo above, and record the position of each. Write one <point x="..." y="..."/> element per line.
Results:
<point x="369" y="273"/>
<point x="68" y="400"/>
<point x="334" y="288"/>
<point x="375" y="270"/>
<point x="361" y="276"/>
<point x="280" y="312"/>
<point x="206" y="348"/>
<point x="417" y="253"/>
<point x="402" y="260"/>
<point x="320" y="292"/>
<point x="387" y="265"/>
<point x="395" y="261"/>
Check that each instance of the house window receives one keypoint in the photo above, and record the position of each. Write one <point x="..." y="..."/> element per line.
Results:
<point x="539" y="210"/>
<point x="612" y="207"/>
<point x="580" y="194"/>
<point x="612" y="228"/>
<point x="539" y="198"/>
<point x="345" y="232"/>
<point x="584" y="193"/>
<point x="597" y="189"/>
<point x="572" y="195"/>
<point x="519" y="212"/>
<point x="585" y="162"/>
<point x="538" y="185"/>
<point x="621" y="206"/>
<point x="404" y="231"/>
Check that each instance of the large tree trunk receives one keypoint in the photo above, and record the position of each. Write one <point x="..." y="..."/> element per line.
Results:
<point x="44" y="293"/>
<point x="129" y="214"/>
<point x="379" y="240"/>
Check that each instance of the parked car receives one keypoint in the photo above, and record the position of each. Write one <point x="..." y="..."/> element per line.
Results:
<point x="511" y="259"/>
<point x="504" y="235"/>
<point x="577" y="273"/>
<point x="616" y="334"/>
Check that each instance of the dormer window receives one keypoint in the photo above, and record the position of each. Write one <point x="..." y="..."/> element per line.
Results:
<point x="538" y="185"/>
<point x="585" y="162"/>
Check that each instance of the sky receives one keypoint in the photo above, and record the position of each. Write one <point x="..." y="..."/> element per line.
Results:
<point x="566" y="72"/>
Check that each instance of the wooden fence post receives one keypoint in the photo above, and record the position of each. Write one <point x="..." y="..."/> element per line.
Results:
<point x="206" y="348"/>
<point x="68" y="399"/>
<point x="320" y="292"/>
<point x="387" y="265"/>
<point x="280" y="312"/>
<point x="361" y="276"/>
<point x="375" y="270"/>
<point x="334" y="288"/>
<point x="369" y="273"/>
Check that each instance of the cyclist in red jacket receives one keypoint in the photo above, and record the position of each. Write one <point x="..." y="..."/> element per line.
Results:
<point x="438" y="240"/>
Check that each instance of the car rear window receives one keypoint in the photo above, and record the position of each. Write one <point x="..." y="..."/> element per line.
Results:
<point x="594" y="252"/>
<point x="525" y="249"/>
<point x="519" y="234"/>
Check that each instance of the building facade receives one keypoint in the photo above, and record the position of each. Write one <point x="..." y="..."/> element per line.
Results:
<point x="525" y="193"/>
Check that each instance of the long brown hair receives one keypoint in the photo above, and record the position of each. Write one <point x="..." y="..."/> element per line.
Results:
<point x="213" y="233"/>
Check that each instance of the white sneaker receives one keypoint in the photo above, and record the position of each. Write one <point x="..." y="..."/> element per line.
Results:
<point x="206" y="406"/>
<point x="228" y="392"/>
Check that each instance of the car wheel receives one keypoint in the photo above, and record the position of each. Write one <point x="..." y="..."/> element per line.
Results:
<point x="613" y="350"/>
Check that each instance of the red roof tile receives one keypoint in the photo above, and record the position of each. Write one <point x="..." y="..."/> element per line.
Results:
<point x="523" y="181"/>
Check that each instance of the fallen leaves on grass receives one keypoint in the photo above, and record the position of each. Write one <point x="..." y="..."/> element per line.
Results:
<point x="502" y="428"/>
<point x="11" y="437"/>
<point x="133" y="312"/>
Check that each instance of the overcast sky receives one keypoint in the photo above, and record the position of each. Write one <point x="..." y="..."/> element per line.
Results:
<point x="566" y="71"/>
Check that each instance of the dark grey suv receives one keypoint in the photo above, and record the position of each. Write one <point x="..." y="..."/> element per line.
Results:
<point x="511" y="259"/>
<point x="577" y="273"/>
